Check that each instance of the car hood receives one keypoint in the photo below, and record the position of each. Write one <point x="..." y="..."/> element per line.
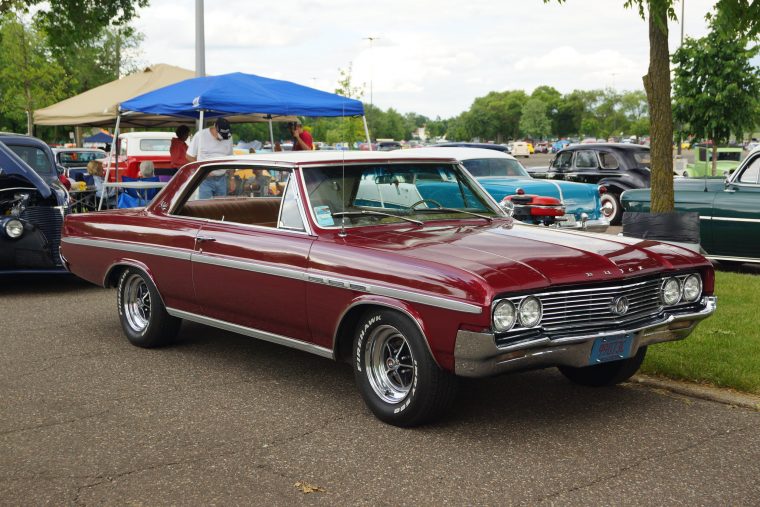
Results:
<point x="15" y="171"/>
<point x="510" y="256"/>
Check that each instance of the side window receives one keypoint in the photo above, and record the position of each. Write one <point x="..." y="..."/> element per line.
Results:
<point x="586" y="159"/>
<point x="563" y="160"/>
<point x="608" y="160"/>
<point x="290" y="214"/>
<point x="750" y="174"/>
<point x="245" y="195"/>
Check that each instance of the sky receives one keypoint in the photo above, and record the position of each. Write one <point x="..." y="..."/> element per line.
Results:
<point x="428" y="57"/>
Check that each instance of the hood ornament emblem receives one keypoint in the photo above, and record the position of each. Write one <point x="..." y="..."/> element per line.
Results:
<point x="619" y="305"/>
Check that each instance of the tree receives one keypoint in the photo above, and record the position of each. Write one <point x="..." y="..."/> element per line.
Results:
<point x="69" y="21"/>
<point x="28" y="78"/>
<point x="534" y="121"/>
<point x="716" y="88"/>
<point x="496" y="116"/>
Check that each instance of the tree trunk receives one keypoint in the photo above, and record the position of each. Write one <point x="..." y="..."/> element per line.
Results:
<point x="657" y="86"/>
<point x="714" y="158"/>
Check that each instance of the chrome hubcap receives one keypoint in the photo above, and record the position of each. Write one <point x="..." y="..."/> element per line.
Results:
<point x="389" y="364"/>
<point x="608" y="208"/>
<point x="136" y="302"/>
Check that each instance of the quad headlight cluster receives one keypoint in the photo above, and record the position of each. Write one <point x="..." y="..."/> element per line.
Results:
<point x="528" y="314"/>
<point x="686" y="290"/>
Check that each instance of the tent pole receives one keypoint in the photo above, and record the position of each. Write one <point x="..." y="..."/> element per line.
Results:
<point x="366" y="131"/>
<point x="110" y="157"/>
<point x="200" y="139"/>
<point x="271" y="134"/>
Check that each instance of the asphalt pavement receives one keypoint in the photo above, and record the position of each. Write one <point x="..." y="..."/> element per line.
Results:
<point x="221" y="419"/>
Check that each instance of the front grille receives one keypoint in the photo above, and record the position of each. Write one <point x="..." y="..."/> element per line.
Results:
<point x="582" y="311"/>
<point x="50" y="221"/>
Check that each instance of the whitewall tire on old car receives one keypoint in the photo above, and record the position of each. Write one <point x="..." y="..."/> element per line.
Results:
<point x="396" y="375"/>
<point x="611" y="209"/>
<point x="142" y="313"/>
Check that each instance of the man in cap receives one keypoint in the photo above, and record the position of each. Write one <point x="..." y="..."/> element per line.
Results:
<point x="212" y="142"/>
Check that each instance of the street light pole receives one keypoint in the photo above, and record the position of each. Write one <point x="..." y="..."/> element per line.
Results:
<point x="683" y="7"/>
<point x="371" y="66"/>
<point x="200" y="44"/>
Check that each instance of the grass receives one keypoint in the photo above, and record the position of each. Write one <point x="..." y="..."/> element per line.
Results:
<point x="724" y="350"/>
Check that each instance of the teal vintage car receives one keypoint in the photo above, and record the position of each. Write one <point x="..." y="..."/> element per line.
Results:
<point x="729" y="210"/>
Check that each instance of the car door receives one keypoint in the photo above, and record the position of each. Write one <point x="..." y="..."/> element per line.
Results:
<point x="736" y="214"/>
<point x="585" y="167"/>
<point x="250" y="259"/>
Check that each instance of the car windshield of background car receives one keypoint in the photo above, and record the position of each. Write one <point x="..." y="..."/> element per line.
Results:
<point x="482" y="167"/>
<point x="586" y="160"/>
<point x="404" y="190"/>
<point x="563" y="160"/>
<point x="643" y="158"/>
<point x="750" y="174"/>
<point x="72" y="158"/>
<point x="34" y="158"/>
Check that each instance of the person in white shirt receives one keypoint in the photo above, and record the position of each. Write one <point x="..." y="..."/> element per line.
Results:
<point x="213" y="142"/>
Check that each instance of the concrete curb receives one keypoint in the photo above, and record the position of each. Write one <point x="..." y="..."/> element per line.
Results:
<point x="725" y="396"/>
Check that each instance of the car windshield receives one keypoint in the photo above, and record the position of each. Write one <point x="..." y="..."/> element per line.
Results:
<point x="77" y="158"/>
<point x="360" y="195"/>
<point x="36" y="158"/>
<point x="482" y="167"/>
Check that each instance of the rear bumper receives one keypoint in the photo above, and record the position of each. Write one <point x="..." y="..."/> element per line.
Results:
<point x="598" y="225"/>
<point x="476" y="354"/>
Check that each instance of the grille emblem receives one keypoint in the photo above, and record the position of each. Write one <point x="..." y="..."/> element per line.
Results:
<point x="619" y="305"/>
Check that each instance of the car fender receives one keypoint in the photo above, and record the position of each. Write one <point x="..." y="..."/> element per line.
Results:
<point x="368" y="300"/>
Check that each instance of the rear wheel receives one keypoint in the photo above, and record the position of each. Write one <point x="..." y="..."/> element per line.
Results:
<point x="611" y="208"/>
<point x="396" y="374"/>
<point x="606" y="374"/>
<point x="143" y="316"/>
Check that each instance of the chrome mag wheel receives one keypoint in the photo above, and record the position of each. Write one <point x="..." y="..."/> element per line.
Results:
<point x="136" y="302"/>
<point x="389" y="364"/>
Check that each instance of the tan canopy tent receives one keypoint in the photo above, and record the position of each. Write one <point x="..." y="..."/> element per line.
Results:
<point x="99" y="107"/>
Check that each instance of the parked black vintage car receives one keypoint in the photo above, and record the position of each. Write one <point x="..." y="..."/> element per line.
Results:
<point x="33" y="204"/>
<point x="618" y="167"/>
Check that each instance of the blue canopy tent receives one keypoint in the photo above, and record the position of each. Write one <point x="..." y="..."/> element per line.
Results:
<point x="238" y="97"/>
<point x="100" y="137"/>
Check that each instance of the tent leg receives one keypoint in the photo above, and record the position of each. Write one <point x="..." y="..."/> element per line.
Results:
<point x="271" y="134"/>
<point x="110" y="157"/>
<point x="200" y="139"/>
<point x="366" y="132"/>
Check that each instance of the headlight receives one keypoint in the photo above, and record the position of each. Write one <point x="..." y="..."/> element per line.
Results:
<point x="14" y="228"/>
<point x="671" y="291"/>
<point x="530" y="312"/>
<point x="692" y="288"/>
<point x="504" y="316"/>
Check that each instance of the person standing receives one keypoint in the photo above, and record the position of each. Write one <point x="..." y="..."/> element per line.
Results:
<point x="302" y="140"/>
<point x="212" y="142"/>
<point x="178" y="147"/>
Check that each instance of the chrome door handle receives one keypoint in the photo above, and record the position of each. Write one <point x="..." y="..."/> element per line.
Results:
<point x="203" y="239"/>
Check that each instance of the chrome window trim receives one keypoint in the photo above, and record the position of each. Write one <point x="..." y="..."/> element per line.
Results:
<point x="735" y="259"/>
<point x="253" y="333"/>
<point x="733" y="179"/>
<point x="257" y="267"/>
<point x="732" y="219"/>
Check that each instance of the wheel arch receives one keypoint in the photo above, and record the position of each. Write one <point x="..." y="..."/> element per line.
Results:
<point x="114" y="271"/>
<point x="343" y="337"/>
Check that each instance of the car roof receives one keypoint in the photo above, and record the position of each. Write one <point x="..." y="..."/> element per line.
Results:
<point x="614" y="146"/>
<point x="155" y="135"/>
<point x="334" y="157"/>
<point x="495" y="147"/>
<point x="61" y="150"/>
<point x="462" y="153"/>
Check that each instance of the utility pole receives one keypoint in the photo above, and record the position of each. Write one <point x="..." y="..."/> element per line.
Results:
<point x="678" y="147"/>
<point x="371" y="66"/>
<point x="200" y="48"/>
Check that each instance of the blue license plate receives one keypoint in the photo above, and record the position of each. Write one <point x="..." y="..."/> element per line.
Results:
<point x="611" y="348"/>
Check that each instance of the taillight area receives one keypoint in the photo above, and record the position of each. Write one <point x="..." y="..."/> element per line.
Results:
<point x="602" y="189"/>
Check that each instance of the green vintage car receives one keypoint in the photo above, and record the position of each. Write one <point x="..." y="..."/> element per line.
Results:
<point x="729" y="158"/>
<point x="729" y="210"/>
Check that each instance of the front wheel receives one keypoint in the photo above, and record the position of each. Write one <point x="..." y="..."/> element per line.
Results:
<point x="606" y="374"/>
<point x="396" y="374"/>
<point x="611" y="209"/>
<point x="143" y="316"/>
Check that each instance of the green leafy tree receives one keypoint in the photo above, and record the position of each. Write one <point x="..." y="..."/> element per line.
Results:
<point x="496" y="116"/>
<point x="534" y="122"/>
<point x="716" y="88"/>
<point x="29" y="78"/>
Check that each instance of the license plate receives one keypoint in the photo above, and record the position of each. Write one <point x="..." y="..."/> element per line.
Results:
<point x="611" y="348"/>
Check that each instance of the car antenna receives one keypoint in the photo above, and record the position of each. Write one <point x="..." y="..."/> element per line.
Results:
<point x="342" y="233"/>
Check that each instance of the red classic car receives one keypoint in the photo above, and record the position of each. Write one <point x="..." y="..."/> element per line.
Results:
<point x="352" y="256"/>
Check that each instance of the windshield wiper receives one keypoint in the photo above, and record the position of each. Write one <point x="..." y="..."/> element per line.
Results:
<point x="455" y="210"/>
<point x="374" y="213"/>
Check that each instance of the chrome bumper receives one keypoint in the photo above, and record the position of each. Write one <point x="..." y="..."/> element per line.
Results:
<point x="476" y="354"/>
<point x="599" y="225"/>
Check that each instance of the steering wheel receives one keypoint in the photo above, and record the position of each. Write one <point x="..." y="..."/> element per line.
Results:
<point x="421" y="201"/>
